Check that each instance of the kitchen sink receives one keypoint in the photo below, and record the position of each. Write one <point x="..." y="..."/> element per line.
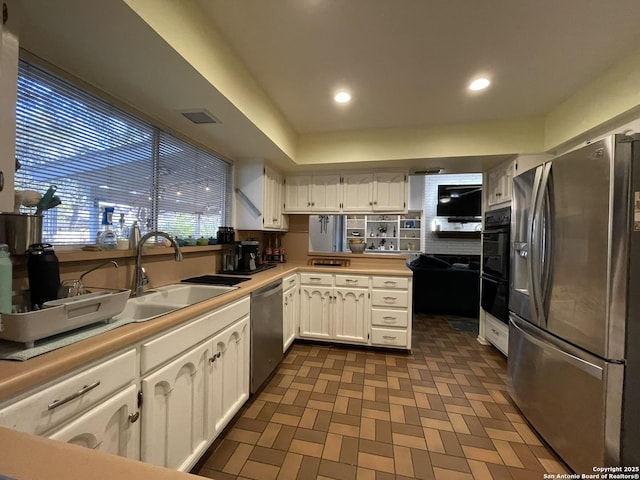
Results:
<point x="145" y="311"/>
<point x="186" y="294"/>
<point x="162" y="300"/>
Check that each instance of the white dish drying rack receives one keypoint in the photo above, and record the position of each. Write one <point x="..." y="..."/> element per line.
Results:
<point x="63" y="315"/>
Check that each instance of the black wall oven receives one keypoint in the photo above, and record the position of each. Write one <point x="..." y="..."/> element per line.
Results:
<point x="495" y="263"/>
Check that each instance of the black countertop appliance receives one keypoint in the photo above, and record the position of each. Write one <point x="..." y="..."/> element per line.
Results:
<point x="249" y="256"/>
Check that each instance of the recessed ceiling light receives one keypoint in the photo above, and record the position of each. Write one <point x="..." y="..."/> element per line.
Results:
<point x="342" y="97"/>
<point x="479" y="84"/>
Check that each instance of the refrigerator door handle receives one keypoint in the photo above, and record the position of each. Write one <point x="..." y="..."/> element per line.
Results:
<point x="538" y="247"/>
<point x="533" y="247"/>
<point x="584" y="365"/>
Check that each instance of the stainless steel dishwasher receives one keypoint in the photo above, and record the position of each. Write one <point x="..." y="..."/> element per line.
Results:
<point x="266" y="332"/>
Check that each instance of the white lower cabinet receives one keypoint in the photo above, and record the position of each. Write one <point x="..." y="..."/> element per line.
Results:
<point x="391" y="312"/>
<point x="113" y="426"/>
<point x="43" y="410"/>
<point x="497" y="333"/>
<point x="228" y="376"/>
<point x="334" y="307"/>
<point x="350" y="309"/>
<point x="290" y="312"/>
<point x="315" y="311"/>
<point x="351" y="315"/>
<point x="173" y="410"/>
<point x="188" y="401"/>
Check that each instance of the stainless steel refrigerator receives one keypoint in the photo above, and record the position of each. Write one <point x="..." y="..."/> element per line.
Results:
<point x="326" y="233"/>
<point x="574" y="321"/>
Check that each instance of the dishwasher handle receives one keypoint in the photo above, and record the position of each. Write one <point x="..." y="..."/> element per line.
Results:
<point x="267" y="291"/>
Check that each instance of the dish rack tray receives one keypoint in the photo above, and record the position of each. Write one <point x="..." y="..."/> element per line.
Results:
<point x="59" y="316"/>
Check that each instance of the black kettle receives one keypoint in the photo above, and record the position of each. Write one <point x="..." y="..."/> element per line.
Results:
<point x="44" y="273"/>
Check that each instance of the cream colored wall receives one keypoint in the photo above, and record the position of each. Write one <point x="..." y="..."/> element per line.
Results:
<point x="489" y="138"/>
<point x="613" y="95"/>
<point x="183" y="26"/>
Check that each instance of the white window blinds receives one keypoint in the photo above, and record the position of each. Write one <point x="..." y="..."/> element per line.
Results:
<point x="97" y="156"/>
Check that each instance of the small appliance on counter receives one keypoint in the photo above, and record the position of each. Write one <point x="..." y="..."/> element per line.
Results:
<point x="229" y="258"/>
<point x="44" y="273"/>
<point x="249" y="258"/>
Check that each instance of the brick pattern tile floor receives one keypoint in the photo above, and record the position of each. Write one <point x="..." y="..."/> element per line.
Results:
<point x="333" y="412"/>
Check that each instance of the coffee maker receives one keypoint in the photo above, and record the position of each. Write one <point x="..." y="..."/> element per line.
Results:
<point x="249" y="258"/>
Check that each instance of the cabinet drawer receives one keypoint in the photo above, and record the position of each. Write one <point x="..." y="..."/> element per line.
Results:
<point x="352" y="281"/>
<point x="389" y="298"/>
<point x="389" y="336"/>
<point x="42" y="411"/>
<point x="289" y="282"/>
<point x="170" y="344"/>
<point x="316" y="279"/>
<point x="497" y="333"/>
<point x="390" y="282"/>
<point x="389" y="318"/>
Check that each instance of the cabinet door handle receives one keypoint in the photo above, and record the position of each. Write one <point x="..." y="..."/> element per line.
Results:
<point x="388" y="337"/>
<point x="389" y="319"/>
<point x="293" y="280"/>
<point x="390" y="299"/>
<point x="215" y="357"/>
<point x="496" y="332"/>
<point x="133" y="417"/>
<point x="390" y="282"/>
<point x="315" y="279"/>
<point x="82" y="391"/>
<point x="351" y="280"/>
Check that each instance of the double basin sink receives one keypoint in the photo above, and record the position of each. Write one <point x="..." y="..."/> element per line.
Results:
<point x="167" y="299"/>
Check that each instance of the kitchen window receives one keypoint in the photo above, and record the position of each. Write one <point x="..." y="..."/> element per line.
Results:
<point x="98" y="155"/>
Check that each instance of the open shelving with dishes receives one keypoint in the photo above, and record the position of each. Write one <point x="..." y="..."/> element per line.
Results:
<point x="386" y="233"/>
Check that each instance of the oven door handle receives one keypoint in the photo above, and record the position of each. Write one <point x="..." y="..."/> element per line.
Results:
<point x="493" y="280"/>
<point x="490" y="280"/>
<point x="491" y="230"/>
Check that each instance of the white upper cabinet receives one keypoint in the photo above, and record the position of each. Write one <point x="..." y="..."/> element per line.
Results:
<point x="8" y="91"/>
<point x="499" y="181"/>
<point x="349" y="193"/>
<point x="318" y="193"/>
<point x="297" y="194"/>
<point x="390" y="192"/>
<point x="357" y="189"/>
<point x="326" y="193"/>
<point x="259" y="197"/>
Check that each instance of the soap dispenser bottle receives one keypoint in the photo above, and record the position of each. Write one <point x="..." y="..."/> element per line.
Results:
<point x="107" y="238"/>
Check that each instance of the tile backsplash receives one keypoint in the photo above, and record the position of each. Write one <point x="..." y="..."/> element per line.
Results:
<point x="433" y="244"/>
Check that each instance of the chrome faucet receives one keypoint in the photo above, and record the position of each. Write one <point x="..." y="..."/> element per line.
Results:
<point x="140" y="278"/>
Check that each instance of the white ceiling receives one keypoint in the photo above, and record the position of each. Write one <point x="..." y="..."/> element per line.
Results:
<point x="407" y="62"/>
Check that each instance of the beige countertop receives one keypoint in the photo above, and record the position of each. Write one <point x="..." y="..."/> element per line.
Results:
<point x="19" y="377"/>
<point x="25" y="456"/>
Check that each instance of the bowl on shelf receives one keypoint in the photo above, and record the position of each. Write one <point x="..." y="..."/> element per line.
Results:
<point x="357" y="245"/>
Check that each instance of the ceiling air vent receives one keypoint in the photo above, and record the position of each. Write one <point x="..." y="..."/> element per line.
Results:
<point x="428" y="171"/>
<point x="199" y="116"/>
